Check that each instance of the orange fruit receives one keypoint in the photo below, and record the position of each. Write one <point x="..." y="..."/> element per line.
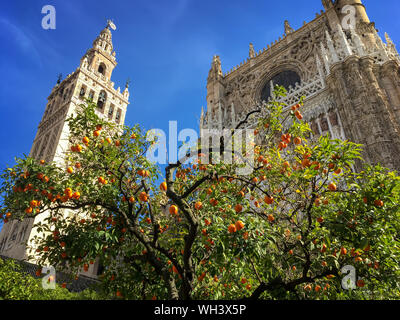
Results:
<point x="33" y="203"/>
<point x="243" y="280"/>
<point x="70" y="170"/>
<point x="77" y="165"/>
<point x="198" y="205"/>
<point x="343" y="251"/>
<point x="332" y="187"/>
<point x="201" y="277"/>
<point x="360" y="283"/>
<point x="96" y="133"/>
<point x="338" y="171"/>
<point x="163" y="186"/>
<point x="297" y="140"/>
<point x="269" y="200"/>
<point x="173" y="210"/>
<point x="298" y="115"/>
<point x="232" y="228"/>
<point x="85" y="140"/>
<point x="214" y="202"/>
<point x="143" y="196"/>
<point x="238" y="208"/>
<point x="239" y="225"/>
<point x="378" y="203"/>
<point x="271" y="218"/>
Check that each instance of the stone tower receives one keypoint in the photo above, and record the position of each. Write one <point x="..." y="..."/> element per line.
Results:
<point x="92" y="79"/>
<point x="349" y="77"/>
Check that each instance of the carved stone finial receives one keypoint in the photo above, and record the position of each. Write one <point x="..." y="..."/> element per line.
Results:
<point x="216" y="69"/>
<point x="59" y="78"/>
<point x="127" y="83"/>
<point x="288" y="28"/>
<point x="252" y="53"/>
<point x="327" y="4"/>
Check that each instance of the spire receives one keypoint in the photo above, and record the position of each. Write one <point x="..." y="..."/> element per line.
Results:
<point x="201" y="120"/>
<point x="288" y="28"/>
<point x="216" y="70"/>
<point x="357" y="42"/>
<point x="331" y="48"/>
<point x="381" y="46"/>
<point x="343" y="39"/>
<point x="252" y="53"/>
<point x="327" y="4"/>
<point x="59" y="78"/>
<point x="103" y="42"/>
<point x="101" y="57"/>
<point x="388" y="40"/>
<point x="126" y="90"/>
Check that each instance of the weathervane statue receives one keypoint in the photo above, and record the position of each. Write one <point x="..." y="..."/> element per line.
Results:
<point x="111" y="24"/>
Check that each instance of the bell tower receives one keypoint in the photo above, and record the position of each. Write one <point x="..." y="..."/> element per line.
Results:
<point x="92" y="80"/>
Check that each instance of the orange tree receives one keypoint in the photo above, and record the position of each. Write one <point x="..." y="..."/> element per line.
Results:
<point x="282" y="232"/>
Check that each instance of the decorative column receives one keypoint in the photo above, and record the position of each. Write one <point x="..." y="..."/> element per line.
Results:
<point x="381" y="46"/>
<point x="340" y="126"/>
<point x="320" y="71"/>
<point x="357" y="42"/>
<point x="343" y="39"/>
<point x="233" y="116"/>
<point x="219" y="116"/>
<point x="331" y="48"/>
<point x="325" y="58"/>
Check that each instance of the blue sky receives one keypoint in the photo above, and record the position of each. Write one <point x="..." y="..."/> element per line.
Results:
<point x="164" y="47"/>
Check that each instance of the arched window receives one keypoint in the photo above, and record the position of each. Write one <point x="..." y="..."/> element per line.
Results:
<point x="102" y="69"/>
<point x="102" y="99"/>
<point x="285" y="79"/>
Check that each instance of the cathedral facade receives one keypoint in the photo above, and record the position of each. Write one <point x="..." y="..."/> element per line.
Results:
<point x="91" y="80"/>
<point x="349" y="77"/>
